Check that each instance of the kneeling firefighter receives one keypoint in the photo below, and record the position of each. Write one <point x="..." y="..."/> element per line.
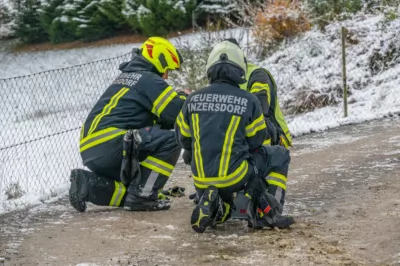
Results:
<point x="261" y="83"/>
<point x="222" y="130"/>
<point x="130" y="157"/>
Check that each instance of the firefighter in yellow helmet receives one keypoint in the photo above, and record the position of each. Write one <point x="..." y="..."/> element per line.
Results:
<point x="222" y="129"/>
<point x="126" y="140"/>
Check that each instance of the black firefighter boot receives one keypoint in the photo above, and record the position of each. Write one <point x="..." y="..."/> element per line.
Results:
<point x="269" y="214"/>
<point x="79" y="190"/>
<point x="207" y="211"/>
<point x="87" y="186"/>
<point x="136" y="203"/>
<point x="138" y="200"/>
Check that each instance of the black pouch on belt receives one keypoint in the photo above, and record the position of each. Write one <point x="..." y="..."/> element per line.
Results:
<point x="130" y="168"/>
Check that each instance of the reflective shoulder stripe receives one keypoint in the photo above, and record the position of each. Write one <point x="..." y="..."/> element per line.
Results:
<point x="255" y="126"/>
<point x="163" y="100"/>
<point x="183" y="126"/>
<point x="107" y="109"/>
<point x="158" y="165"/>
<point x="119" y="193"/>
<point x="227" y="146"/>
<point x="197" y="147"/>
<point x="182" y="97"/>
<point x="224" y="181"/>
<point x="100" y="137"/>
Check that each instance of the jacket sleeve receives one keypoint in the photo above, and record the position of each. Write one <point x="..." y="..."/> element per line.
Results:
<point x="256" y="132"/>
<point x="260" y="85"/>
<point x="163" y="100"/>
<point x="182" y="129"/>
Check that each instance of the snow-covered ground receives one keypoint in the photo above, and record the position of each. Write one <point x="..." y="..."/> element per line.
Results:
<point x="311" y="62"/>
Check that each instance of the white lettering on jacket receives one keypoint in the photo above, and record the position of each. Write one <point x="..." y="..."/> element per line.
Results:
<point x="210" y="102"/>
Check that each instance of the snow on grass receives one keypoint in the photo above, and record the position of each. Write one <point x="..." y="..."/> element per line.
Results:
<point x="58" y="101"/>
<point x="313" y="63"/>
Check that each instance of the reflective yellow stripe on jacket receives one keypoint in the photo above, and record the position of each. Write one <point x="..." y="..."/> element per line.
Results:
<point x="183" y="126"/>
<point x="255" y="126"/>
<point x="267" y="142"/>
<point x="258" y="86"/>
<point x="224" y="181"/>
<point x="227" y="148"/>
<point x="197" y="148"/>
<point x="100" y="137"/>
<point x="107" y="109"/>
<point x="163" y="100"/>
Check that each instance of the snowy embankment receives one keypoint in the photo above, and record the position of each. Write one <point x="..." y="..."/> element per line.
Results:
<point x="313" y="63"/>
<point x="309" y="63"/>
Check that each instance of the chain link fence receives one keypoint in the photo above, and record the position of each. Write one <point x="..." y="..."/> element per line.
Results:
<point x="42" y="113"/>
<point x="40" y="119"/>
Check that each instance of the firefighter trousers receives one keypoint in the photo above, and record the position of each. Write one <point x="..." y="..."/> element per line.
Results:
<point x="158" y="155"/>
<point x="272" y="163"/>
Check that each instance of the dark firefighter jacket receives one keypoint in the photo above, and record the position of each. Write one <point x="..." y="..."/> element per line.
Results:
<point x="261" y="83"/>
<point x="137" y="98"/>
<point x="220" y="124"/>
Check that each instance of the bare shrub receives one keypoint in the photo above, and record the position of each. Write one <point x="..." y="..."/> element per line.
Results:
<point x="195" y="53"/>
<point x="278" y="21"/>
<point x="307" y="101"/>
<point x="14" y="191"/>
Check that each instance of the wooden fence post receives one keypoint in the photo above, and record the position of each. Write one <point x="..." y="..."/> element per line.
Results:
<point x="344" y="33"/>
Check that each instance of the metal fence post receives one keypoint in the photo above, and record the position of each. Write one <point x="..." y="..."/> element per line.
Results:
<point x="344" y="32"/>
